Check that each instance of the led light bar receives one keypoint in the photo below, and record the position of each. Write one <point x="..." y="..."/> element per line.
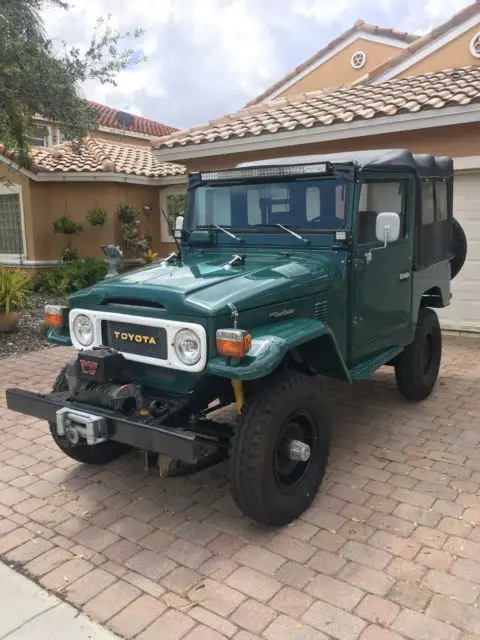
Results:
<point x="265" y="172"/>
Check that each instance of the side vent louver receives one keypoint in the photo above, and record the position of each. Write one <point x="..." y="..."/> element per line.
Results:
<point x="321" y="311"/>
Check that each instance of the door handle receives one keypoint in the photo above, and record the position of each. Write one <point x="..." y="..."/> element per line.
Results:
<point x="404" y="276"/>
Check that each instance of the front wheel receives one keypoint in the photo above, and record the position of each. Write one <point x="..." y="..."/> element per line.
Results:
<point x="417" y="367"/>
<point x="280" y="450"/>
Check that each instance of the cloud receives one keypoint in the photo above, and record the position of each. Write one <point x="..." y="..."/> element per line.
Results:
<point x="207" y="58"/>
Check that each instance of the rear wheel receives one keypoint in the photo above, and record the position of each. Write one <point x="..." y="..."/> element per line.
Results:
<point x="280" y="450"/>
<point x="417" y="367"/>
<point x="89" y="454"/>
<point x="459" y="248"/>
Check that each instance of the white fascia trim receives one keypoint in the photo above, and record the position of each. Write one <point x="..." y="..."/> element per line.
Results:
<point x="17" y="168"/>
<point x="363" y="35"/>
<point x="121" y="132"/>
<point x="466" y="163"/>
<point x="356" y="129"/>
<point x="106" y="176"/>
<point x="428" y="50"/>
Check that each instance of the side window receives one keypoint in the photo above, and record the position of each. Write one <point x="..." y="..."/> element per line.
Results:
<point x="375" y="198"/>
<point x="313" y="203"/>
<point x="340" y="202"/>
<point x="428" y="206"/>
<point x="441" y="200"/>
<point x="254" y="213"/>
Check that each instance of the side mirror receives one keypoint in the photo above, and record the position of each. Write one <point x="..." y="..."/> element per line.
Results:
<point x="178" y="227"/>
<point x="387" y="227"/>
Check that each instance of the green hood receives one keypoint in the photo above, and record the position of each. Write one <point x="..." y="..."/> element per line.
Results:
<point x="205" y="287"/>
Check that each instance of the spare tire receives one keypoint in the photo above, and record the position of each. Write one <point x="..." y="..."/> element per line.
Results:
<point x="459" y="248"/>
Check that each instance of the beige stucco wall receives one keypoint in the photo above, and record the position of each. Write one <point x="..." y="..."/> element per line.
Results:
<point x="457" y="141"/>
<point x="49" y="200"/>
<point x="452" y="55"/>
<point x="338" y="69"/>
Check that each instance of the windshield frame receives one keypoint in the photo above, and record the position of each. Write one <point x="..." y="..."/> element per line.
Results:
<point x="345" y="173"/>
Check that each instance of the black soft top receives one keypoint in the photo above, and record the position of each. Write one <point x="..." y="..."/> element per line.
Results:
<point x="428" y="166"/>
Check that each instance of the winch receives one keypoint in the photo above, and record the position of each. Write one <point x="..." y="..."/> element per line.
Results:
<point x="96" y="377"/>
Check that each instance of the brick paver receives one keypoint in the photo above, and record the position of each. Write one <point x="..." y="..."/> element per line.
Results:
<point x="390" y="548"/>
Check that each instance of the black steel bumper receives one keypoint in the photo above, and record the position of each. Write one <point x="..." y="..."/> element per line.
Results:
<point x="180" y="444"/>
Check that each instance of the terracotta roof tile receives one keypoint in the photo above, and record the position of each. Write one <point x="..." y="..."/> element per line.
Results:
<point x="107" y="117"/>
<point x="451" y="87"/>
<point x="359" y="27"/>
<point x="419" y="43"/>
<point x="95" y="155"/>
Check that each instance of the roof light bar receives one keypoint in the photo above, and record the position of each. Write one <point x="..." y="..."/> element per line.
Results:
<point x="265" y="172"/>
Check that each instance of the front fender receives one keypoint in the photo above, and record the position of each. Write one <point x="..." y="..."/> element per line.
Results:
<point x="270" y="345"/>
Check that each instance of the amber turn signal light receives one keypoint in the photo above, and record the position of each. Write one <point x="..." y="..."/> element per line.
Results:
<point x="233" y="343"/>
<point x="53" y="316"/>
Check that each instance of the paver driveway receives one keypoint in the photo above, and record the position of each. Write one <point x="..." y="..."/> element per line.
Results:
<point x="390" y="549"/>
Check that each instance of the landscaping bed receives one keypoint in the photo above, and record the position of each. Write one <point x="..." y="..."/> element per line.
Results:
<point x="31" y="333"/>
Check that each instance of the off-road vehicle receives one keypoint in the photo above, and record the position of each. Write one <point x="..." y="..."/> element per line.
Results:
<point x="288" y="270"/>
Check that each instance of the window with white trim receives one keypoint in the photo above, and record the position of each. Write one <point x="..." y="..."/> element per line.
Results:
<point x="11" y="223"/>
<point x="41" y="136"/>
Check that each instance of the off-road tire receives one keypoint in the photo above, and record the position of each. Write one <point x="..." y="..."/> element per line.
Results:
<point x="459" y="248"/>
<point x="253" y="480"/>
<point x="416" y="374"/>
<point x="89" y="454"/>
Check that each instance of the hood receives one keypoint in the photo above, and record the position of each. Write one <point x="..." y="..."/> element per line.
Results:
<point x="204" y="287"/>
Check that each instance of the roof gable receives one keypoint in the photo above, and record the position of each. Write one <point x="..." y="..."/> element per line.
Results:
<point x="425" y="46"/>
<point x="359" y="31"/>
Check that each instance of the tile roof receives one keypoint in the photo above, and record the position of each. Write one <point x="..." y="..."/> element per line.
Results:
<point x="95" y="155"/>
<point x="460" y="17"/>
<point x="107" y="117"/>
<point x="447" y="88"/>
<point x="359" y="27"/>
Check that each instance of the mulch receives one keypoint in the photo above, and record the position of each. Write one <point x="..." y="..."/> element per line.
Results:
<point x="31" y="333"/>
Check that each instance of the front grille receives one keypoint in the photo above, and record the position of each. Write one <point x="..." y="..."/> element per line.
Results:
<point x="136" y="339"/>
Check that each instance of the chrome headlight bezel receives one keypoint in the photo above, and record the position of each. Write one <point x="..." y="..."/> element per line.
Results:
<point x="83" y="318"/>
<point x="186" y="334"/>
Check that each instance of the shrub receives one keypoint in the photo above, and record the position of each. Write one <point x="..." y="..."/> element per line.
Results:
<point x="127" y="214"/>
<point x="64" y="280"/>
<point x="14" y="290"/>
<point x="97" y="217"/>
<point x="68" y="227"/>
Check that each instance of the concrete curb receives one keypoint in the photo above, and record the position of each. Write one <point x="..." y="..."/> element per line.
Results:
<point x="27" y="611"/>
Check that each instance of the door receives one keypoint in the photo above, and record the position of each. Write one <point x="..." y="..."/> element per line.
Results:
<point x="381" y="314"/>
<point x="463" y="313"/>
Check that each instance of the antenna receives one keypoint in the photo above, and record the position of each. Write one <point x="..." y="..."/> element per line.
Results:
<point x="124" y="119"/>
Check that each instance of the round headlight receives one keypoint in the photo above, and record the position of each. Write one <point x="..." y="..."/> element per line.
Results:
<point x="187" y="346"/>
<point x="83" y="331"/>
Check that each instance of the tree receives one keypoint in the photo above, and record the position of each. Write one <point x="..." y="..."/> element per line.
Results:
<point x="36" y="79"/>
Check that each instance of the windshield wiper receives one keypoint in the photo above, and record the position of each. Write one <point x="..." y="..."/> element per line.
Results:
<point x="217" y="226"/>
<point x="287" y="229"/>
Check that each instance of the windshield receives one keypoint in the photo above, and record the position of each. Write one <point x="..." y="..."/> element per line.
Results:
<point x="316" y="205"/>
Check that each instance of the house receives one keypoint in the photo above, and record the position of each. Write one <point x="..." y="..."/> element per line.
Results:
<point x="371" y="88"/>
<point x="111" y="124"/>
<point x="114" y="166"/>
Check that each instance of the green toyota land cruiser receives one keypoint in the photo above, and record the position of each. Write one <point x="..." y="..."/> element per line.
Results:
<point x="287" y="270"/>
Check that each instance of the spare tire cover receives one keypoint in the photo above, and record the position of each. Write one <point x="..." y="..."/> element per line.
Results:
<point x="459" y="248"/>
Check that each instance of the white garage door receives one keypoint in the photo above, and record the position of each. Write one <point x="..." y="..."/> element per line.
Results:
<point x="464" y="310"/>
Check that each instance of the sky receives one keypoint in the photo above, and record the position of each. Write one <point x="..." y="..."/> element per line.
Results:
<point x="207" y="58"/>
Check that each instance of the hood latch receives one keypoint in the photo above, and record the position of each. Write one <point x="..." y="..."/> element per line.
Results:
<point x="236" y="261"/>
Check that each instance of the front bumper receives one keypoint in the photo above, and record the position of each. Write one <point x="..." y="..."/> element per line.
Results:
<point x="99" y="424"/>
